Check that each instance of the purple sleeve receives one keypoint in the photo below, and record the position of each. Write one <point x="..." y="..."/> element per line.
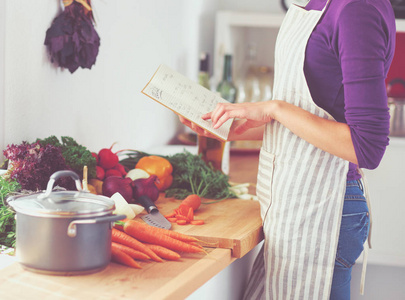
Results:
<point x="362" y="41"/>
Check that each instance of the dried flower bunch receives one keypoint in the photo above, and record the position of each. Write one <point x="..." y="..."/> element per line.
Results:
<point x="72" y="41"/>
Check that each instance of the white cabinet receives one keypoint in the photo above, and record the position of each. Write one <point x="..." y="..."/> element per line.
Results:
<point x="400" y="25"/>
<point x="235" y="30"/>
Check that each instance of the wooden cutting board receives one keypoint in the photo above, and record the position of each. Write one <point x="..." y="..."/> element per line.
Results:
<point x="232" y="224"/>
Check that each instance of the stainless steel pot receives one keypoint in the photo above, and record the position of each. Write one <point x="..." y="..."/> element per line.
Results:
<point x="63" y="232"/>
<point x="397" y="110"/>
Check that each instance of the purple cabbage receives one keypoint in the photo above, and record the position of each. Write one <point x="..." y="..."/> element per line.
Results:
<point x="72" y="41"/>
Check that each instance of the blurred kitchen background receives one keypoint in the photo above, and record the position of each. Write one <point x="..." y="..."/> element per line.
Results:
<point x="104" y="105"/>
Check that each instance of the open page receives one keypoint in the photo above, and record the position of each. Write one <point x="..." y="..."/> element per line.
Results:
<point x="186" y="98"/>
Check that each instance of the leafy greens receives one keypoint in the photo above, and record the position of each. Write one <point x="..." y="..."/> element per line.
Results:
<point x="7" y="220"/>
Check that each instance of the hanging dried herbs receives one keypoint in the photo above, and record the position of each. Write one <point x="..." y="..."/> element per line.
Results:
<point x="72" y="41"/>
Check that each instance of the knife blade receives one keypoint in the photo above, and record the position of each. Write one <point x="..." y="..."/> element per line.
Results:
<point x="154" y="217"/>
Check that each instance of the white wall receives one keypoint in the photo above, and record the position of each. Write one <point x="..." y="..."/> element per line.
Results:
<point x="102" y="105"/>
<point x="2" y="44"/>
<point x="264" y="6"/>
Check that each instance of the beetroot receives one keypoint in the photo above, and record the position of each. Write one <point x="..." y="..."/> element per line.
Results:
<point x="112" y="172"/>
<point x="118" y="184"/>
<point x="100" y="172"/>
<point x="121" y="169"/>
<point x="107" y="159"/>
<point x="146" y="187"/>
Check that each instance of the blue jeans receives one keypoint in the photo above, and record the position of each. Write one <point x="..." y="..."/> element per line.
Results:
<point x="353" y="233"/>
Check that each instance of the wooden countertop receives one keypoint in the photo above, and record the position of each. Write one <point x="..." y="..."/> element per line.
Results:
<point x="167" y="280"/>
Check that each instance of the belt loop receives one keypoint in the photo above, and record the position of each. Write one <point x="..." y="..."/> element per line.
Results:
<point x="360" y="184"/>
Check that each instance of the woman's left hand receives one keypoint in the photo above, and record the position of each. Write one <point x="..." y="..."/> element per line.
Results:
<point x="197" y="129"/>
<point x="253" y="115"/>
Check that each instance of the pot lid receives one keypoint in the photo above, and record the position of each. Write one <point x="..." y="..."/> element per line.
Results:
<point x="62" y="203"/>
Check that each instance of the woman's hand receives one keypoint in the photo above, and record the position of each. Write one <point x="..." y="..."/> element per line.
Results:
<point x="251" y="115"/>
<point x="197" y="129"/>
<point x="249" y="126"/>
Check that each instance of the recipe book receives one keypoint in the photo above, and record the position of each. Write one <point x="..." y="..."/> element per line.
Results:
<point x="186" y="98"/>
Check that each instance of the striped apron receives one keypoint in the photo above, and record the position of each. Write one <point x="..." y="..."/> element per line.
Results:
<point x="300" y="187"/>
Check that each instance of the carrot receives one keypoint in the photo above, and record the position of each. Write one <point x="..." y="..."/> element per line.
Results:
<point x="190" y="214"/>
<point x="123" y="258"/>
<point x="197" y="245"/>
<point x="197" y="222"/>
<point x="119" y="227"/>
<point x="135" y="254"/>
<point x="164" y="252"/>
<point x="181" y="222"/>
<point x="127" y="240"/>
<point x="181" y="217"/>
<point x="150" y="234"/>
<point x="193" y="201"/>
<point x="172" y="220"/>
<point x="172" y="215"/>
<point x="183" y="210"/>
<point x="173" y="234"/>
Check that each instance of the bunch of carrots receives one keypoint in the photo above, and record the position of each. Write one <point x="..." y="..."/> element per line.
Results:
<point x="133" y="241"/>
<point x="184" y="214"/>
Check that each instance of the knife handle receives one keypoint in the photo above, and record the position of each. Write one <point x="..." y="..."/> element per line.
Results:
<point x="146" y="202"/>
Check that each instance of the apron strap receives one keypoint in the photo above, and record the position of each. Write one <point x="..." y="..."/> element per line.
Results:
<point x="367" y="196"/>
<point x="363" y="271"/>
<point x="367" y="245"/>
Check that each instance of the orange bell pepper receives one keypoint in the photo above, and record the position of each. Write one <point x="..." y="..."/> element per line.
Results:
<point x="159" y="166"/>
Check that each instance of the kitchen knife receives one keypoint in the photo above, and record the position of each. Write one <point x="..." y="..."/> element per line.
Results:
<point x="154" y="218"/>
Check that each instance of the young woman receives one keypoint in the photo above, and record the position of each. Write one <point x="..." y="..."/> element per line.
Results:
<point x="329" y="117"/>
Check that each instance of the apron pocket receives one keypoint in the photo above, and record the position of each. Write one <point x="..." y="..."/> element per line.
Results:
<point x="353" y="233"/>
<point x="264" y="181"/>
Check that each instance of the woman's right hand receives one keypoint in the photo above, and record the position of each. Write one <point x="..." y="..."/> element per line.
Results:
<point x="249" y="126"/>
<point x="250" y="115"/>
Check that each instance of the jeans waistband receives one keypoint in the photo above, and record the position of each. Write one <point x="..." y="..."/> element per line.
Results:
<point x="354" y="190"/>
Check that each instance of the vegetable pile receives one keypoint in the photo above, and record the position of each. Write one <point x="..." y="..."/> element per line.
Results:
<point x="123" y="178"/>
<point x="113" y="177"/>
<point x="134" y="242"/>
<point x="191" y="175"/>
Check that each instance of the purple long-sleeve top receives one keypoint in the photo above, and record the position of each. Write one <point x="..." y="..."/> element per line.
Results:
<point x="347" y="60"/>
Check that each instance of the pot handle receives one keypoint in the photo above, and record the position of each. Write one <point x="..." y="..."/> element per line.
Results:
<point x="59" y="174"/>
<point x="72" y="228"/>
